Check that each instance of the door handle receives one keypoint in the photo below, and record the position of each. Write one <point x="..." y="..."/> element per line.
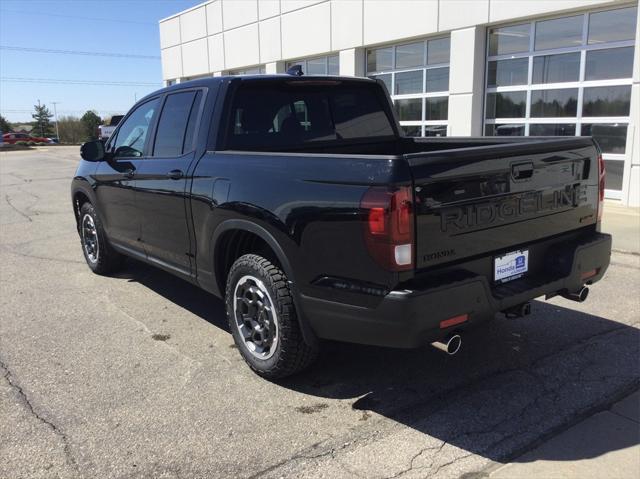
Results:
<point x="522" y="171"/>
<point x="175" y="174"/>
<point x="129" y="172"/>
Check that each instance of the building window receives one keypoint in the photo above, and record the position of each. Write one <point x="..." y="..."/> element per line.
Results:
<point x="416" y="75"/>
<point x="259" y="70"/>
<point x="327" y="65"/>
<point x="567" y="76"/>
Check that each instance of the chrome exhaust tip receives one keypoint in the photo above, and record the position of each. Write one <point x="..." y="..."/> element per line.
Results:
<point x="450" y="346"/>
<point x="579" y="296"/>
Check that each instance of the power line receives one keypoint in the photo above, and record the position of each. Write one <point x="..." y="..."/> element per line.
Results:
<point x="78" y="52"/>
<point x="95" y="19"/>
<point x="67" y="112"/>
<point x="59" y="81"/>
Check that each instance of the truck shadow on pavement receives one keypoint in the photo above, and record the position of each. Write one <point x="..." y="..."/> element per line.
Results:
<point x="514" y="383"/>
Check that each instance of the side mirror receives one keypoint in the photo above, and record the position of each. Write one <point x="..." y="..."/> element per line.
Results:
<point x="92" y="151"/>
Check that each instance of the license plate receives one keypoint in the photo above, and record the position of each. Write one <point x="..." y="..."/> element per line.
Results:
<point x="511" y="265"/>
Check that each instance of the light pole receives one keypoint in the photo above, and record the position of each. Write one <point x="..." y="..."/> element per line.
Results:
<point x="55" y="115"/>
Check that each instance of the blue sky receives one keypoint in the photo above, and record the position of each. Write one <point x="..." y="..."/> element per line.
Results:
<point x="109" y="26"/>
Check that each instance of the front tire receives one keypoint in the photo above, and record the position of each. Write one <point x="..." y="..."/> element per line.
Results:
<point x="98" y="253"/>
<point x="262" y="319"/>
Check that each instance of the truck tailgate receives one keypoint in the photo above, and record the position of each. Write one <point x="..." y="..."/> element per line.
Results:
<point x="489" y="200"/>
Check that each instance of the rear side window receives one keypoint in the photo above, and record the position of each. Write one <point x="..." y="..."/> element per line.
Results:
<point x="289" y="114"/>
<point x="191" y="124"/>
<point x="174" y="135"/>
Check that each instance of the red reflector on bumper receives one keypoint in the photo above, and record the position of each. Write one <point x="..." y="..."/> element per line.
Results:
<point x="589" y="274"/>
<point x="447" y="323"/>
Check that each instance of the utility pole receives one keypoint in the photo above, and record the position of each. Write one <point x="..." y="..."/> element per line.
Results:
<point x="55" y="114"/>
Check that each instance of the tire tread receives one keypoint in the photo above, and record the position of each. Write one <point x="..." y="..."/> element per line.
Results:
<point x="295" y="354"/>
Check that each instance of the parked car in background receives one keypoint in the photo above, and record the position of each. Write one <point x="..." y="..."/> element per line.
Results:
<point x="105" y="131"/>
<point x="12" y="138"/>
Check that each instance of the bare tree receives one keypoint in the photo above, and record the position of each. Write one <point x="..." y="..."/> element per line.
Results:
<point x="71" y="129"/>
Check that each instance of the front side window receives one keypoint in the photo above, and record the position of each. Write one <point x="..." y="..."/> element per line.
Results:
<point x="132" y="134"/>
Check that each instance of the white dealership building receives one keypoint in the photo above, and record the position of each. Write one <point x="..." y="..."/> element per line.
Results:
<point x="452" y="67"/>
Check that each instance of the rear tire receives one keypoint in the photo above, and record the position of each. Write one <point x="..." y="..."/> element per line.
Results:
<point x="98" y="253"/>
<point x="262" y="319"/>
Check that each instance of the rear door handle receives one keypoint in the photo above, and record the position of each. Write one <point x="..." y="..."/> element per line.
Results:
<point x="175" y="174"/>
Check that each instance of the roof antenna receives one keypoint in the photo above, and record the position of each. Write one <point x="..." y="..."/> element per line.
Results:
<point x="295" y="70"/>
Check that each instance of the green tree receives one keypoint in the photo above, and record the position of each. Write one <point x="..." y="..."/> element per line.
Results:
<point x="42" y="118"/>
<point x="91" y="121"/>
<point x="5" y="126"/>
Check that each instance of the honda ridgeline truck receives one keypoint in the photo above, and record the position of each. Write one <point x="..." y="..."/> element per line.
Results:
<point x="301" y="203"/>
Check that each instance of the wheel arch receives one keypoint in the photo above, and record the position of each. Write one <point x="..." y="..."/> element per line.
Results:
<point x="239" y="229"/>
<point x="79" y="196"/>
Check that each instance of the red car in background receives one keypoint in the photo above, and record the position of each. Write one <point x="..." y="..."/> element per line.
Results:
<point x="12" y="138"/>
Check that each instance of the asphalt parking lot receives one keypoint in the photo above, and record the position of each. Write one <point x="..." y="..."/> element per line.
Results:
<point x="137" y="375"/>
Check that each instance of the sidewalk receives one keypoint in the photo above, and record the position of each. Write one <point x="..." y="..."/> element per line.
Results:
<point x="607" y="443"/>
<point x="624" y="224"/>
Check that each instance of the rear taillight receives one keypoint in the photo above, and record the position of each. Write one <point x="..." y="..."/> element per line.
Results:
<point x="388" y="229"/>
<point x="601" y="177"/>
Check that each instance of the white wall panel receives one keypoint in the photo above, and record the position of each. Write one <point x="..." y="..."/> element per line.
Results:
<point x="346" y="24"/>
<point x="236" y="13"/>
<point x="462" y="13"/>
<point x="216" y="52"/>
<point x="460" y="111"/>
<point x="193" y="25"/>
<point x="307" y="31"/>
<point x="170" y="33"/>
<point x="268" y="8"/>
<point x="274" y="67"/>
<point x="389" y="20"/>
<point x="241" y="47"/>
<point x="195" y="60"/>
<point x="214" y="17"/>
<point x="171" y="63"/>
<point x="504" y="10"/>
<point x="289" y="5"/>
<point x="352" y="62"/>
<point x="270" y="40"/>
<point x="466" y="59"/>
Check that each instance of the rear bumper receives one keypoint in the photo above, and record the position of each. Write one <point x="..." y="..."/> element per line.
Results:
<point x="411" y="318"/>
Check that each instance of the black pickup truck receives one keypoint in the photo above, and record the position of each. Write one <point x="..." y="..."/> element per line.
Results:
<point x="299" y="201"/>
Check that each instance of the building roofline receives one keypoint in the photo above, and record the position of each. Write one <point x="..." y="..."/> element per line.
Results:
<point x="185" y="11"/>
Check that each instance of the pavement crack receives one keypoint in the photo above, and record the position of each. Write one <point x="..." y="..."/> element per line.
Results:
<point x="416" y="456"/>
<point x="24" y="399"/>
<point x="7" y="198"/>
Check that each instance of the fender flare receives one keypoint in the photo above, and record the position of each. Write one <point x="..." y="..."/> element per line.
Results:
<point x="308" y="334"/>
<point x="81" y="185"/>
